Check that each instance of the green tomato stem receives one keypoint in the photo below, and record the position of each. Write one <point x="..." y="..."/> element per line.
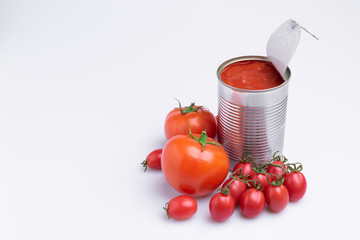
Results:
<point x="144" y="164"/>
<point x="189" y="109"/>
<point x="166" y="208"/>
<point x="202" y="139"/>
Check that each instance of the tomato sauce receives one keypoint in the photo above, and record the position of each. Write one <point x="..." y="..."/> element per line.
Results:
<point x="251" y="75"/>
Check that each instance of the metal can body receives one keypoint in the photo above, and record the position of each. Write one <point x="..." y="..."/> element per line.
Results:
<point x="251" y="122"/>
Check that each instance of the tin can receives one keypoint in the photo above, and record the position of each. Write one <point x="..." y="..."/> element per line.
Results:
<point x="251" y="122"/>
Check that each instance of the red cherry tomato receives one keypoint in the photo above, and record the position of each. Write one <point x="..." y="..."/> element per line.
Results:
<point x="236" y="187"/>
<point x="263" y="180"/>
<point x="252" y="202"/>
<point x="275" y="171"/>
<point x="181" y="207"/>
<point x="200" y="119"/>
<point x="295" y="183"/>
<point x="277" y="197"/>
<point x="153" y="160"/>
<point x="194" y="168"/>
<point x="245" y="168"/>
<point x="221" y="207"/>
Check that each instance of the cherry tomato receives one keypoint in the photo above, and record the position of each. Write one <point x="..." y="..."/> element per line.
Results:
<point x="245" y="168"/>
<point x="194" y="165"/>
<point x="237" y="188"/>
<point x="181" y="207"/>
<point x="275" y="171"/>
<point x="198" y="117"/>
<point x="295" y="183"/>
<point x="153" y="160"/>
<point x="221" y="207"/>
<point x="277" y="197"/>
<point x="252" y="202"/>
<point x="263" y="179"/>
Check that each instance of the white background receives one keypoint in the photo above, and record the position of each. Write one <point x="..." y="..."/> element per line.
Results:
<point x="85" y="87"/>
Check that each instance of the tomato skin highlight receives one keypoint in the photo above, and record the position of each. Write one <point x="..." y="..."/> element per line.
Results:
<point x="277" y="198"/>
<point x="153" y="160"/>
<point x="237" y="188"/>
<point x="191" y="170"/>
<point x="252" y="202"/>
<point x="200" y="120"/>
<point x="221" y="207"/>
<point x="245" y="169"/>
<point x="295" y="183"/>
<point x="181" y="207"/>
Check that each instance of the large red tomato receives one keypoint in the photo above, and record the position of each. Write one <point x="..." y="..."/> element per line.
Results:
<point x="198" y="117"/>
<point x="194" y="164"/>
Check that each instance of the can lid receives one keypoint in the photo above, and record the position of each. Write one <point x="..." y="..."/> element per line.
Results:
<point x="282" y="44"/>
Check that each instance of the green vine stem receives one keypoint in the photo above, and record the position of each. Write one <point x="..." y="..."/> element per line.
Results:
<point x="254" y="165"/>
<point x="291" y="167"/>
<point x="282" y="166"/>
<point x="277" y="157"/>
<point x="234" y="177"/>
<point x="238" y="173"/>
<point x="278" y="181"/>
<point x="295" y="167"/>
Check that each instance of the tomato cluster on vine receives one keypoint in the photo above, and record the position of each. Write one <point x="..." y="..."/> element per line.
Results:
<point x="253" y="185"/>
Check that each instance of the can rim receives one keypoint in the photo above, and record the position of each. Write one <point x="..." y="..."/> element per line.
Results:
<point x="286" y="76"/>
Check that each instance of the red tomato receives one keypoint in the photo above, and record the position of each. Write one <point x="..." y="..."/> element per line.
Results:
<point x="275" y="171"/>
<point x="245" y="168"/>
<point x="194" y="168"/>
<point x="295" y="183"/>
<point x="221" y="207"/>
<point x="153" y="160"/>
<point x="277" y="197"/>
<point x="200" y="119"/>
<point x="263" y="179"/>
<point x="181" y="207"/>
<point x="252" y="202"/>
<point x="237" y="188"/>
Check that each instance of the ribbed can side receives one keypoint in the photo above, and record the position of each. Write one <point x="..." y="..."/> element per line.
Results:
<point x="256" y="131"/>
